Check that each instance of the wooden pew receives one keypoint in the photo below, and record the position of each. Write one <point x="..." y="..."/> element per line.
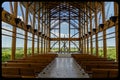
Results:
<point x="27" y="72"/>
<point x="104" y="73"/>
<point x="38" y="67"/>
<point x="10" y="72"/>
<point x="17" y="72"/>
<point x="88" y="67"/>
<point x="82" y="63"/>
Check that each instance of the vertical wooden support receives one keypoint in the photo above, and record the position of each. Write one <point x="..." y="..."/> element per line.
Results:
<point x="33" y="36"/>
<point x="104" y="31"/>
<point x="26" y="34"/>
<point x="116" y="29"/>
<point x="96" y="29"/>
<point x="11" y="7"/>
<point x="14" y="34"/>
<point x="49" y="32"/>
<point x="69" y="29"/>
<point x="79" y="33"/>
<point x="38" y="30"/>
<point x="42" y="31"/>
<point x="59" y="29"/>
<point x="87" y="30"/>
<point x="91" y="43"/>
<point x="84" y="34"/>
<point x="22" y="10"/>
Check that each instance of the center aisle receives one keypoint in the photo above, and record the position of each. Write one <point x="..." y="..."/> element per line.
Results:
<point x="63" y="68"/>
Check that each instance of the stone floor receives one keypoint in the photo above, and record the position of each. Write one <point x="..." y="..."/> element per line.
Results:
<point x="63" y="68"/>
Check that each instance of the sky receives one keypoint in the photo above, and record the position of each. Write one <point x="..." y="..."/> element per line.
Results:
<point x="6" y="41"/>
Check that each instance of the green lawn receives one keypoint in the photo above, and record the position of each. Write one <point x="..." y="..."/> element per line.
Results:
<point x="6" y="52"/>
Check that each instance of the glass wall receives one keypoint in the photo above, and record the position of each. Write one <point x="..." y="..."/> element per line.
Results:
<point x="29" y="44"/>
<point x="19" y="43"/>
<point x="6" y="41"/>
<point x="111" y="46"/>
<point x="100" y="44"/>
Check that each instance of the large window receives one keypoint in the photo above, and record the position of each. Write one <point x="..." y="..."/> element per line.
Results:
<point x="54" y="46"/>
<point x="35" y="44"/>
<point x="6" y="41"/>
<point x="100" y="44"/>
<point x="29" y="44"/>
<point x="6" y="6"/>
<point x="111" y="46"/>
<point x="19" y="43"/>
<point x="109" y="10"/>
<point x="94" y="44"/>
<point x="64" y="30"/>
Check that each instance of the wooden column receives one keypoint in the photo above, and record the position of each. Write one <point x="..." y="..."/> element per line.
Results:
<point x="79" y="32"/>
<point x="69" y="28"/>
<point x="26" y="33"/>
<point x="96" y="29"/>
<point x="49" y="33"/>
<point x="14" y="34"/>
<point x="104" y="31"/>
<point x="38" y="31"/>
<point x="42" y="31"/>
<point x="11" y="7"/>
<point x="84" y="35"/>
<point x="59" y="28"/>
<point x="91" y="43"/>
<point x="33" y="26"/>
<point x="116" y="29"/>
<point x="87" y="30"/>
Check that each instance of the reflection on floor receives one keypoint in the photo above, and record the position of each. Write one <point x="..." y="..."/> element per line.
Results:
<point x="63" y="68"/>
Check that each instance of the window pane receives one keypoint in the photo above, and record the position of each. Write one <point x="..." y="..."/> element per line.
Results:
<point x="6" y="41"/>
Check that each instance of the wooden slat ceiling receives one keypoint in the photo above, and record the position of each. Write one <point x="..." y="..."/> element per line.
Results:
<point x="53" y="5"/>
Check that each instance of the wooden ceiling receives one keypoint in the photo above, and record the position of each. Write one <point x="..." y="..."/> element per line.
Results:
<point x="51" y="5"/>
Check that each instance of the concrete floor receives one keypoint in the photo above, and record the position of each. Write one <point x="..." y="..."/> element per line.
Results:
<point x="63" y="68"/>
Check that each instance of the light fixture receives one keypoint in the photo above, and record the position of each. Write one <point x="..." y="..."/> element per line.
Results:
<point x="113" y="18"/>
<point x="89" y="33"/>
<point x="101" y="26"/>
<point x="39" y="33"/>
<point x="17" y="20"/>
<point x="94" y="30"/>
<point x="28" y="26"/>
<point x="35" y="30"/>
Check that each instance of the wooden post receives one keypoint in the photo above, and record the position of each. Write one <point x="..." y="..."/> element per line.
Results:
<point x="84" y="35"/>
<point x="42" y="32"/>
<point x="59" y="29"/>
<point x="87" y="31"/>
<point x="69" y="29"/>
<point x="96" y="29"/>
<point x="11" y="7"/>
<point x="33" y="36"/>
<point x="91" y="43"/>
<point x="49" y="32"/>
<point x="104" y="31"/>
<point x="26" y="34"/>
<point x="14" y="34"/>
<point x="38" y="30"/>
<point x="79" y="32"/>
<point x="116" y="29"/>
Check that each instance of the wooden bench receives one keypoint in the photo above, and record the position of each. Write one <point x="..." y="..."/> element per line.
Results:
<point x="104" y="73"/>
<point x="88" y="67"/>
<point x="17" y="72"/>
<point x="38" y="67"/>
<point x="82" y="63"/>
